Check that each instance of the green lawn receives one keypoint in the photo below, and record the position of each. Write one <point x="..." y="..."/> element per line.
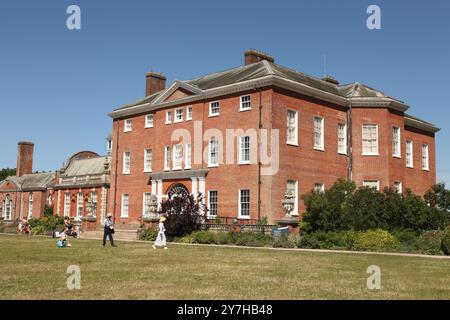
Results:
<point x="33" y="268"/>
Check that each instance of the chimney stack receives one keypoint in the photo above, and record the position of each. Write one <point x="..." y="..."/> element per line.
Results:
<point x="155" y="82"/>
<point x="253" y="56"/>
<point x="24" y="158"/>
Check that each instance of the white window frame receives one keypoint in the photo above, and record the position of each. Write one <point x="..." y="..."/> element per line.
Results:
<point x="209" y="203"/>
<point x="144" y="198"/>
<point x="189" y="113"/>
<point x="94" y="196"/>
<point x="396" y="153"/>
<point x="319" y="187"/>
<point x="240" y="216"/>
<point x="368" y="183"/>
<point x="340" y="151"/>
<point x="149" y="120"/>
<point x="123" y="213"/>
<point x="295" y="209"/>
<point x="321" y="145"/>
<point x="188" y="156"/>
<point x="168" y="117"/>
<point x="294" y="142"/>
<point x="148" y="163"/>
<point x="210" y="158"/>
<point x="425" y="157"/>
<point x="211" y="114"/>
<point x="398" y="185"/>
<point x="241" y="151"/>
<point x="177" y="113"/>
<point x="80" y="202"/>
<point x="67" y="204"/>
<point x="7" y="208"/>
<point x="166" y="158"/>
<point x="128" y="125"/>
<point x="126" y="164"/>
<point x="410" y="156"/>
<point x="30" y="205"/>
<point x="373" y="153"/>
<point x="177" y="161"/>
<point x="241" y="103"/>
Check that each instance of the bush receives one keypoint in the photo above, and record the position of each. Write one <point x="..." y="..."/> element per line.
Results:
<point x="445" y="242"/>
<point x="224" y="238"/>
<point x="375" y="240"/>
<point x="252" y="239"/>
<point x="148" y="234"/>
<point x="429" y="243"/>
<point x="349" y="238"/>
<point x="203" y="237"/>
<point x="46" y="224"/>
<point x="308" y="241"/>
<point x="39" y="230"/>
<point x="183" y="215"/>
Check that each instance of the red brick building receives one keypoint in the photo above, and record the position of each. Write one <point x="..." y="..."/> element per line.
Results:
<point x="241" y="137"/>
<point x="26" y="194"/>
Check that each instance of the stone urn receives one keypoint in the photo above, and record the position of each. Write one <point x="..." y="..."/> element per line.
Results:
<point x="287" y="204"/>
<point x="153" y="216"/>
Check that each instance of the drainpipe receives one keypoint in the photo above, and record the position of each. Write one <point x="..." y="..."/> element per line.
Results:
<point x="115" y="173"/>
<point x="259" y="152"/>
<point x="350" y="136"/>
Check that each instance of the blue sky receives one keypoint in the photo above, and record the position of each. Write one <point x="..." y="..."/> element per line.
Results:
<point x="57" y="85"/>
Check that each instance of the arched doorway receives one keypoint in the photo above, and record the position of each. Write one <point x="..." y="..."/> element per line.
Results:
<point x="177" y="189"/>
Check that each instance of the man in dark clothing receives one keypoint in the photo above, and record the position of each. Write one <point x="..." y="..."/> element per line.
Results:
<point x="108" y="231"/>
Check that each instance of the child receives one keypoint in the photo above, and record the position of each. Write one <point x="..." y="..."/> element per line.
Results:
<point x="161" y="238"/>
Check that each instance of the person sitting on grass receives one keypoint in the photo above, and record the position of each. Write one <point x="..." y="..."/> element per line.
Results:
<point x="161" y="238"/>
<point x="62" y="242"/>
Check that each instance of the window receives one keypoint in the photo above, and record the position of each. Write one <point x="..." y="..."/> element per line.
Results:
<point x="213" y="157"/>
<point x="425" y="160"/>
<point x="148" y="158"/>
<point x="292" y="186"/>
<point x="30" y="206"/>
<point x="212" y="202"/>
<point x="125" y="205"/>
<point x="244" y="148"/>
<point x="149" y="121"/>
<point x="246" y="103"/>
<point x="167" y="158"/>
<point x="187" y="161"/>
<point x="94" y="201"/>
<point x="80" y="204"/>
<point x="178" y="115"/>
<point x="398" y="186"/>
<point x="370" y="139"/>
<point x="318" y="133"/>
<point x="126" y="163"/>
<point x="67" y="204"/>
<point x="168" y="117"/>
<point x="396" y="150"/>
<point x="214" y="108"/>
<point x="189" y="113"/>
<point x="50" y="200"/>
<point x="409" y="154"/>
<point x="292" y="127"/>
<point x="342" y="138"/>
<point x="244" y="203"/>
<point x="7" y="208"/>
<point x="319" y="187"/>
<point x="371" y="184"/>
<point x="177" y="156"/>
<point x="128" y="125"/>
<point x="146" y="205"/>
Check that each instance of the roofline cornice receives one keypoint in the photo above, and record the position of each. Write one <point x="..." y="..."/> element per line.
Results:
<point x="379" y="102"/>
<point x="419" y="124"/>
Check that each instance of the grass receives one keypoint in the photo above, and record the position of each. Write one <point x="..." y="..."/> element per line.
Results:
<point x="34" y="268"/>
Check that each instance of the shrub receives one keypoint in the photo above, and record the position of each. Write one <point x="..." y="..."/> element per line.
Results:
<point x="284" y="241"/>
<point x="445" y="242"/>
<point x="183" y="215"/>
<point x="48" y="210"/>
<point x="203" y="237"/>
<point x="429" y="242"/>
<point x="308" y="241"/>
<point x="375" y="240"/>
<point x="39" y="230"/>
<point x="252" y="239"/>
<point x="224" y="238"/>
<point x="349" y="238"/>
<point x="148" y="234"/>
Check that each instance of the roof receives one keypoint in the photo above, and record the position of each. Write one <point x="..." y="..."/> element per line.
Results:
<point x="266" y="73"/>
<point x="84" y="167"/>
<point x="35" y="181"/>
<point x="420" y="124"/>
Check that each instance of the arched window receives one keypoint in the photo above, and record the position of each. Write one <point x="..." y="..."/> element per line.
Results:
<point x="177" y="189"/>
<point x="30" y="206"/>
<point x="7" y="204"/>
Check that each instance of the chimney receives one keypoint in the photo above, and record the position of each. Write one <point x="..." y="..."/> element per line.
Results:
<point x="253" y="56"/>
<point x="155" y="82"/>
<point x="24" y="158"/>
<point x="330" y="79"/>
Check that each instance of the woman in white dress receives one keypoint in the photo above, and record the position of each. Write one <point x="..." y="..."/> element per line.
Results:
<point x="161" y="238"/>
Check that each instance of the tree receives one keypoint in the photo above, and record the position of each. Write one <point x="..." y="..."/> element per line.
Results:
<point x="4" y="173"/>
